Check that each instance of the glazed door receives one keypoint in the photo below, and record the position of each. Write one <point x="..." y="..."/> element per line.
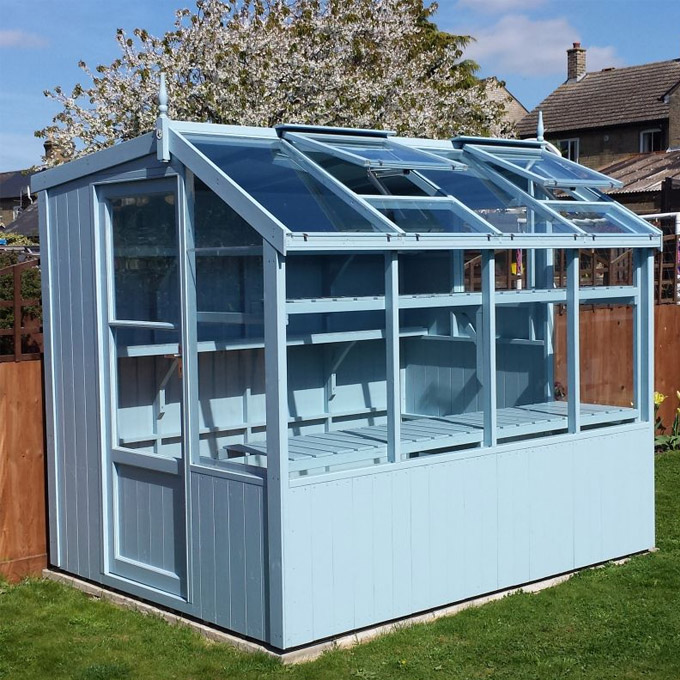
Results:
<point x="145" y="484"/>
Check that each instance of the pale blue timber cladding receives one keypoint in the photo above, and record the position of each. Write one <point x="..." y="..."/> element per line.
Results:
<point x="229" y="545"/>
<point x="74" y="442"/>
<point x="74" y="379"/>
<point x="149" y="524"/>
<point x="445" y="531"/>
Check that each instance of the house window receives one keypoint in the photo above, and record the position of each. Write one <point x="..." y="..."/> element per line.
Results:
<point x="569" y="148"/>
<point x="651" y="140"/>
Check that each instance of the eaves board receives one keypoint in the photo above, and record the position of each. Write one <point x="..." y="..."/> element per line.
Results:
<point x="95" y="163"/>
<point x="356" y="243"/>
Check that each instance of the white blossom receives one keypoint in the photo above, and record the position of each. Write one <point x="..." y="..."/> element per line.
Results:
<point x="356" y="63"/>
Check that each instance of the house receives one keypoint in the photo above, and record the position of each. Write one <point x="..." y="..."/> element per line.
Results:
<point x="598" y="118"/>
<point x="15" y="194"/>
<point x="26" y="222"/>
<point x="514" y="112"/>
<point x="651" y="182"/>
<point x="275" y="404"/>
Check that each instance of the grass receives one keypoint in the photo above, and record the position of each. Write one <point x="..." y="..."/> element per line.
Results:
<point x="621" y="621"/>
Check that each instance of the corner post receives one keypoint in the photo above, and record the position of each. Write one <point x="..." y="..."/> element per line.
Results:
<point x="189" y="356"/>
<point x="276" y="385"/>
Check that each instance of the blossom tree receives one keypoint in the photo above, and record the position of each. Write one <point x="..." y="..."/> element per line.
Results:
<point x="360" y="63"/>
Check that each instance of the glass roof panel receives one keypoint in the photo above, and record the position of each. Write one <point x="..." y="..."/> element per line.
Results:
<point x="426" y="215"/>
<point x="601" y="218"/>
<point x="263" y="169"/>
<point x="542" y="166"/>
<point x="363" y="180"/>
<point x="508" y="213"/>
<point x="370" y="152"/>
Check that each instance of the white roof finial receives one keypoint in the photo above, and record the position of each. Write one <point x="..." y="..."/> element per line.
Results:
<point x="539" y="127"/>
<point x="162" y="98"/>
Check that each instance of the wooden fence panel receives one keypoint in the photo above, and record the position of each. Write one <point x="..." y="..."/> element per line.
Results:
<point x="23" y="529"/>
<point x="607" y="355"/>
<point x="667" y="357"/>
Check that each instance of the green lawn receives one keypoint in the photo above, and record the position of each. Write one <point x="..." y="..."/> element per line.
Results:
<point x="615" y="622"/>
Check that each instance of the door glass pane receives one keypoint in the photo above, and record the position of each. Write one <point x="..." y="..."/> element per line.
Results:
<point x="144" y="236"/>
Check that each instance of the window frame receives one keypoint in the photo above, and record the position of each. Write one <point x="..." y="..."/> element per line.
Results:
<point x="569" y="141"/>
<point x="651" y="131"/>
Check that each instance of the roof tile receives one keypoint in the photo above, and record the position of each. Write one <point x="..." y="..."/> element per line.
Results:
<point x="606" y="98"/>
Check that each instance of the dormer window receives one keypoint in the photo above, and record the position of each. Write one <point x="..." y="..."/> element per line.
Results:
<point x="651" y="140"/>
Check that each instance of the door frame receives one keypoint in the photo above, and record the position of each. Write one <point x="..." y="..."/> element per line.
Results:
<point x="114" y="566"/>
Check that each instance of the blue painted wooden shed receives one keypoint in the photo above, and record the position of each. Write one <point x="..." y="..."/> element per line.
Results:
<point x="304" y="380"/>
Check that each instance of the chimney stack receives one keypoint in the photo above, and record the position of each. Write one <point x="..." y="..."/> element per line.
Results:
<point x="48" y="146"/>
<point x="576" y="62"/>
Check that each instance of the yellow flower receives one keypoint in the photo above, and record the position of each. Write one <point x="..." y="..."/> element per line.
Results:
<point x="677" y="394"/>
<point x="659" y="398"/>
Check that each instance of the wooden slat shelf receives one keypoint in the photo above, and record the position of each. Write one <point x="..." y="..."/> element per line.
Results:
<point x="329" y="450"/>
<point x="258" y="343"/>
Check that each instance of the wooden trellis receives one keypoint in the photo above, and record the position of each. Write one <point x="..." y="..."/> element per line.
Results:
<point x="23" y="326"/>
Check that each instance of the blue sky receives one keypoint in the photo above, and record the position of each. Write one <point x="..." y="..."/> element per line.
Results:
<point x="523" y="42"/>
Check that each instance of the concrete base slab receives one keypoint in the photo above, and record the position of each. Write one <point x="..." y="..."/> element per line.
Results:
<point x="314" y="650"/>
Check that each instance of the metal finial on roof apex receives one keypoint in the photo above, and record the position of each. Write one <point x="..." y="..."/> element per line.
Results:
<point x="162" y="98"/>
<point x="539" y="127"/>
<point x="162" y="123"/>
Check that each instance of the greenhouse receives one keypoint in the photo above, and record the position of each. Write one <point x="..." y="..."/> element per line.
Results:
<point x="302" y="381"/>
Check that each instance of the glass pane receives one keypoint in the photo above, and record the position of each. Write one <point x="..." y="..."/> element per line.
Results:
<point x="280" y="185"/>
<point x="505" y="212"/>
<point x="229" y="276"/>
<point x="382" y="153"/>
<point x="349" y="275"/>
<point x="550" y="167"/>
<point x="230" y="331"/>
<point x="427" y="216"/>
<point x="144" y="234"/>
<point x="430" y="272"/>
<point x="441" y="356"/>
<point x="531" y="376"/>
<point x="361" y="180"/>
<point x="149" y="400"/>
<point x="600" y="219"/>
<point x="606" y="360"/>
<point x="337" y="394"/>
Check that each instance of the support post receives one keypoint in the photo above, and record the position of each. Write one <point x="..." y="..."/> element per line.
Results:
<point x="489" y="346"/>
<point x="276" y="384"/>
<point x="392" y="352"/>
<point x="545" y="278"/>
<point x="457" y="271"/>
<point x="573" y="341"/>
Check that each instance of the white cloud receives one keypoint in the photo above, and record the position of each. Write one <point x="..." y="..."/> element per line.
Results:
<point x="602" y="57"/>
<point x="500" y="5"/>
<point x="516" y="44"/>
<point x="21" y="39"/>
